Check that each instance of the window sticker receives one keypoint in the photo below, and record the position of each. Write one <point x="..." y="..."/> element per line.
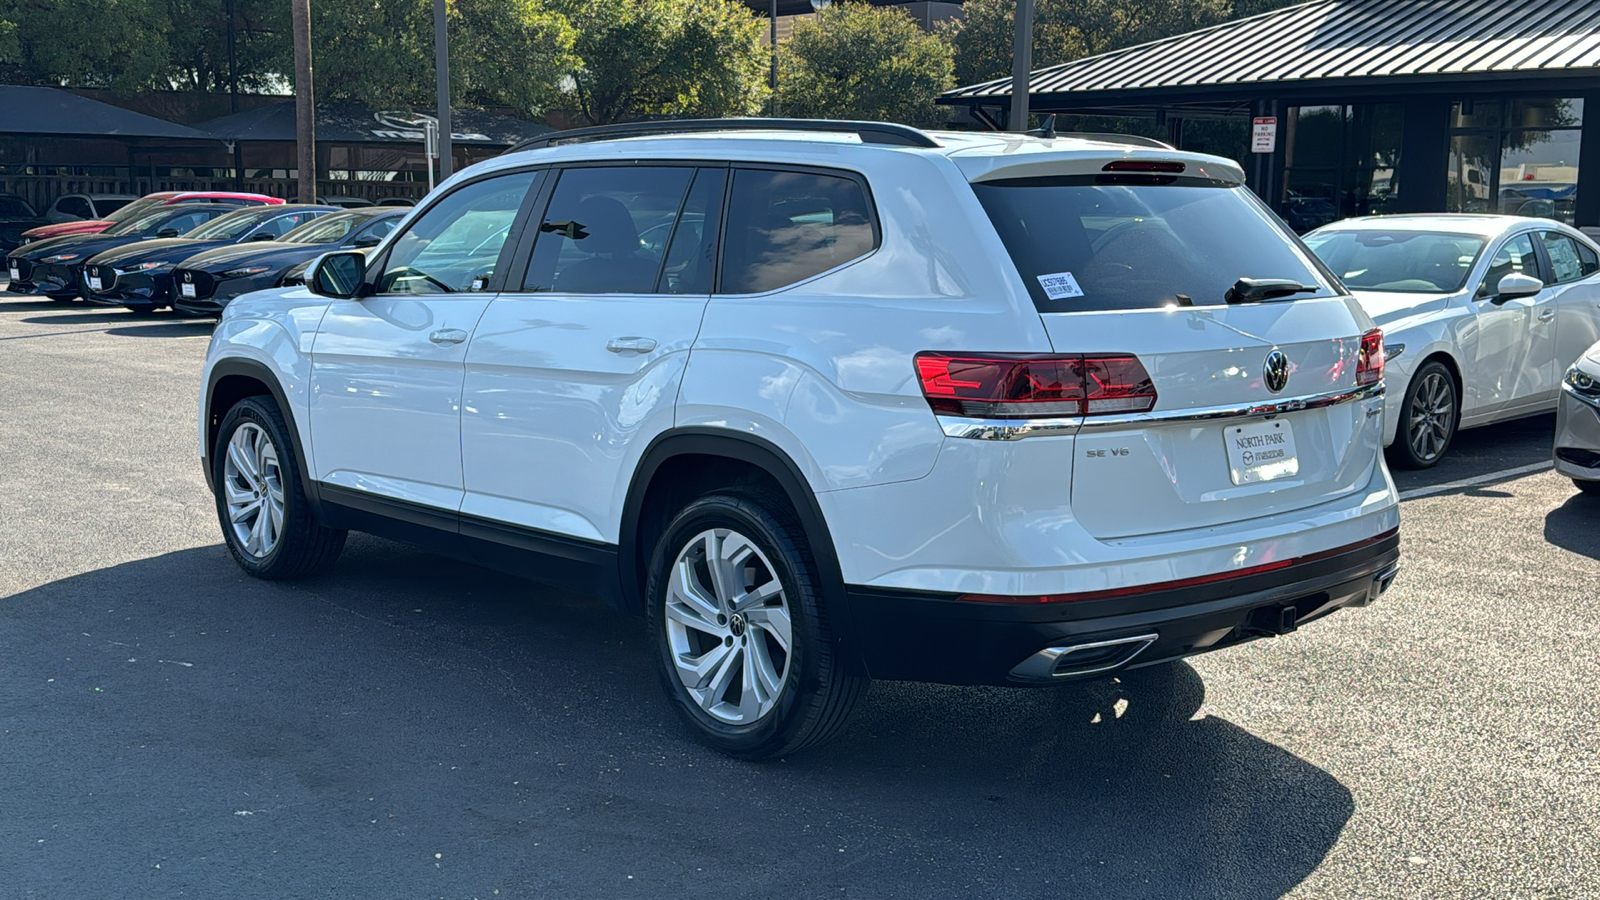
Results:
<point x="1060" y="286"/>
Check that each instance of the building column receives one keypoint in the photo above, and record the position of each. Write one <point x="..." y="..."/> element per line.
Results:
<point x="1586" y="212"/>
<point x="1425" y="155"/>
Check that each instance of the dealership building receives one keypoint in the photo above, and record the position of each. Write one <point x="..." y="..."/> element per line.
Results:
<point x="1341" y="108"/>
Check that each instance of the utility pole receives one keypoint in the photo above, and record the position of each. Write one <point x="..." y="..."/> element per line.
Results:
<point x="772" y="77"/>
<point x="441" y="64"/>
<point x="1021" y="65"/>
<point x="305" y="107"/>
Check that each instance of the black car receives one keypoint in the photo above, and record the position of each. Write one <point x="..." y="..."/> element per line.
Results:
<point x="207" y="281"/>
<point x="54" y="266"/>
<point x="140" y="276"/>
<point x="16" y="216"/>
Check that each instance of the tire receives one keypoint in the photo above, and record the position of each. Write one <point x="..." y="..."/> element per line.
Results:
<point x="1430" y="411"/>
<point x="1592" y="488"/>
<point x="254" y="464"/>
<point x="754" y="701"/>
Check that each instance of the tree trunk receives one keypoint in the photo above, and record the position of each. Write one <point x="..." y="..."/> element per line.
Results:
<point x="305" y="108"/>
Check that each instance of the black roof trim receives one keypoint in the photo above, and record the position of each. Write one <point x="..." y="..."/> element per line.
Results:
<point x="869" y="132"/>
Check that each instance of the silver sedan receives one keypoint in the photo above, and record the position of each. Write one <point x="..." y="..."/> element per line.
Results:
<point x="1577" y="450"/>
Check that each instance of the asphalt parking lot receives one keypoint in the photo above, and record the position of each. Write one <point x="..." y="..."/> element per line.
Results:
<point x="412" y="727"/>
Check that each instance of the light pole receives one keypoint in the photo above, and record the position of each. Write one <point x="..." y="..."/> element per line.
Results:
<point x="1021" y="65"/>
<point x="772" y="35"/>
<point x="305" y="108"/>
<point x="441" y="63"/>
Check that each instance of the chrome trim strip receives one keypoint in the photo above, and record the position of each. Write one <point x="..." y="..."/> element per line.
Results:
<point x="1574" y="393"/>
<point x="1017" y="429"/>
<point x="1008" y="429"/>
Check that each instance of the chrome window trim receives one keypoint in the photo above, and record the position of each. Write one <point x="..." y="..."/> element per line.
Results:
<point x="1017" y="429"/>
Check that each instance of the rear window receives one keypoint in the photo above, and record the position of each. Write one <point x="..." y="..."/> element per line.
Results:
<point x="1385" y="260"/>
<point x="785" y="227"/>
<point x="1092" y="246"/>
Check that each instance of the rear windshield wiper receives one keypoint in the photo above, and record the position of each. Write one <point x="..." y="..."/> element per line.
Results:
<point x="1255" y="290"/>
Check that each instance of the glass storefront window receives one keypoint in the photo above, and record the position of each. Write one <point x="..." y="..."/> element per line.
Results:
<point x="1341" y="161"/>
<point x="1517" y="157"/>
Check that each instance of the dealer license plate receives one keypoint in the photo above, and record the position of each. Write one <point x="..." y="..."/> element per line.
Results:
<point x="186" y="289"/>
<point x="94" y="282"/>
<point x="14" y="275"/>
<point x="1261" y="451"/>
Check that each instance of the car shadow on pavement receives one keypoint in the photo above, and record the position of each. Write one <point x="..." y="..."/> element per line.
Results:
<point x="168" y="328"/>
<point x="1572" y="526"/>
<point x="408" y="720"/>
<point x="40" y="305"/>
<point x="1482" y="451"/>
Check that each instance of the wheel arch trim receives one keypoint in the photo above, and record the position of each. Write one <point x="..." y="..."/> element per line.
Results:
<point x="260" y="372"/>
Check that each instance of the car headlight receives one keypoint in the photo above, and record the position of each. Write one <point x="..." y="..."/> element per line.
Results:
<point x="61" y="257"/>
<point x="247" y="270"/>
<point x="1583" y="382"/>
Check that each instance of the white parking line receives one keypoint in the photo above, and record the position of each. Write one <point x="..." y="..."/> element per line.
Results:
<point x="1502" y="475"/>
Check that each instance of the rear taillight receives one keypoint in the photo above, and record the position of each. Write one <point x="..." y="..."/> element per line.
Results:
<point x="996" y="386"/>
<point x="1369" y="367"/>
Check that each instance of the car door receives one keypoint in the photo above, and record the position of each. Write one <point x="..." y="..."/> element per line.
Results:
<point x="1574" y="282"/>
<point x="386" y="369"/>
<point x="577" y="365"/>
<point x="1510" y="345"/>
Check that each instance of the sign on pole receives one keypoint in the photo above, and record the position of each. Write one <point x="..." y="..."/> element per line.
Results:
<point x="1264" y="134"/>
<point x="430" y="145"/>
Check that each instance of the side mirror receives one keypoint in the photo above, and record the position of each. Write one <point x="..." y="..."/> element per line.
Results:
<point x="264" y="236"/>
<point x="368" y="241"/>
<point x="338" y="275"/>
<point x="168" y="232"/>
<point x="1516" y="285"/>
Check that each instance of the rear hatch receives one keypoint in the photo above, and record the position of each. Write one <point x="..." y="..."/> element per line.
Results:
<point x="1142" y="263"/>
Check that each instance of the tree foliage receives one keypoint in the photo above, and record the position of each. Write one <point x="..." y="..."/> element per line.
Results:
<point x="664" y="57"/>
<point x="92" y="43"/>
<point x="855" y="61"/>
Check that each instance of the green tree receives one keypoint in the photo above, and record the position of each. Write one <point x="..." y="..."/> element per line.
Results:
<point x="86" y="43"/>
<point x="700" y="58"/>
<point x="855" y="61"/>
<point x="502" y="52"/>
<point x="1064" y="30"/>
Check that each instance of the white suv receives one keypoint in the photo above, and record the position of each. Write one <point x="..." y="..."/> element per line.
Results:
<point x="828" y="402"/>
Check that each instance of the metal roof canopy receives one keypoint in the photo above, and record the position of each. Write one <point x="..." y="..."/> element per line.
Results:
<point x="350" y="123"/>
<point x="1330" y="45"/>
<point x="50" y="111"/>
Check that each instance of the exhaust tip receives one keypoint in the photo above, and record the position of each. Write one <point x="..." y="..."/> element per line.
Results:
<point x="1079" y="660"/>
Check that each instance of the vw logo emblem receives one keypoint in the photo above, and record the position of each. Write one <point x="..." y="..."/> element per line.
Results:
<point x="188" y="277"/>
<point x="1276" y="371"/>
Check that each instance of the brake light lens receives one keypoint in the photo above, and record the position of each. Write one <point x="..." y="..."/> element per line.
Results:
<point x="1143" y="165"/>
<point x="1369" y="366"/>
<point x="996" y="386"/>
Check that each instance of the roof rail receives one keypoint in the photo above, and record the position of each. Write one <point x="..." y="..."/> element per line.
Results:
<point x="869" y="132"/>
<point x="1109" y="138"/>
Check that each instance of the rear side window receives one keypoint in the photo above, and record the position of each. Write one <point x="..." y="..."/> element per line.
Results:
<point x="1565" y="263"/>
<point x="1093" y="246"/>
<point x="606" y="229"/>
<point x="785" y="227"/>
<point x="1588" y="259"/>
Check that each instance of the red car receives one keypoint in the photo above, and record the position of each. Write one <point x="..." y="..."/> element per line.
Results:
<point x="142" y="205"/>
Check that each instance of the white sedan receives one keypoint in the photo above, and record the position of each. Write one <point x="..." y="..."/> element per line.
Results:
<point x="1481" y="316"/>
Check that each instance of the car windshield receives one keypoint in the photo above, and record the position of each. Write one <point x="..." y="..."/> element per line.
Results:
<point x="232" y="225"/>
<point x="1398" y="261"/>
<point x="142" y="223"/>
<point x="1082" y="245"/>
<point x="325" y="230"/>
<point x="133" y="210"/>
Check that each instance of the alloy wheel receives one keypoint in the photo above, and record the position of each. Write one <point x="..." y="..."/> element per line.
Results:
<point x="1431" y="417"/>
<point x="253" y="486"/>
<point x="728" y="626"/>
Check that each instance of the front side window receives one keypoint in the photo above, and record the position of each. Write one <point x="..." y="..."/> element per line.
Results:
<point x="1515" y="257"/>
<point x="377" y="231"/>
<point x="1378" y="259"/>
<point x="229" y="227"/>
<point x="1089" y="246"/>
<point x="75" y="206"/>
<point x="1565" y="265"/>
<point x="606" y="230"/>
<point x="785" y="227"/>
<point x="455" y="244"/>
<point x="282" y="225"/>
<point x="323" y="230"/>
<point x="184" y="223"/>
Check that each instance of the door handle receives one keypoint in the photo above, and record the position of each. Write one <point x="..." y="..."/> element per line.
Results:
<point x="448" y="336"/>
<point x="636" y="344"/>
<point x="1547" y="315"/>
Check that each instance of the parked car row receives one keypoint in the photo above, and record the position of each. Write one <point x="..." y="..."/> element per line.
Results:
<point x="134" y="261"/>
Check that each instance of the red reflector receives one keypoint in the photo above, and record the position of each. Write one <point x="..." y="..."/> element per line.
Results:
<point x="1143" y="165"/>
<point x="1369" y="366"/>
<point x="1133" y="590"/>
<point x="1018" y="387"/>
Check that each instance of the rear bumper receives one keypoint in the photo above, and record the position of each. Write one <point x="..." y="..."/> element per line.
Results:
<point x="919" y="636"/>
